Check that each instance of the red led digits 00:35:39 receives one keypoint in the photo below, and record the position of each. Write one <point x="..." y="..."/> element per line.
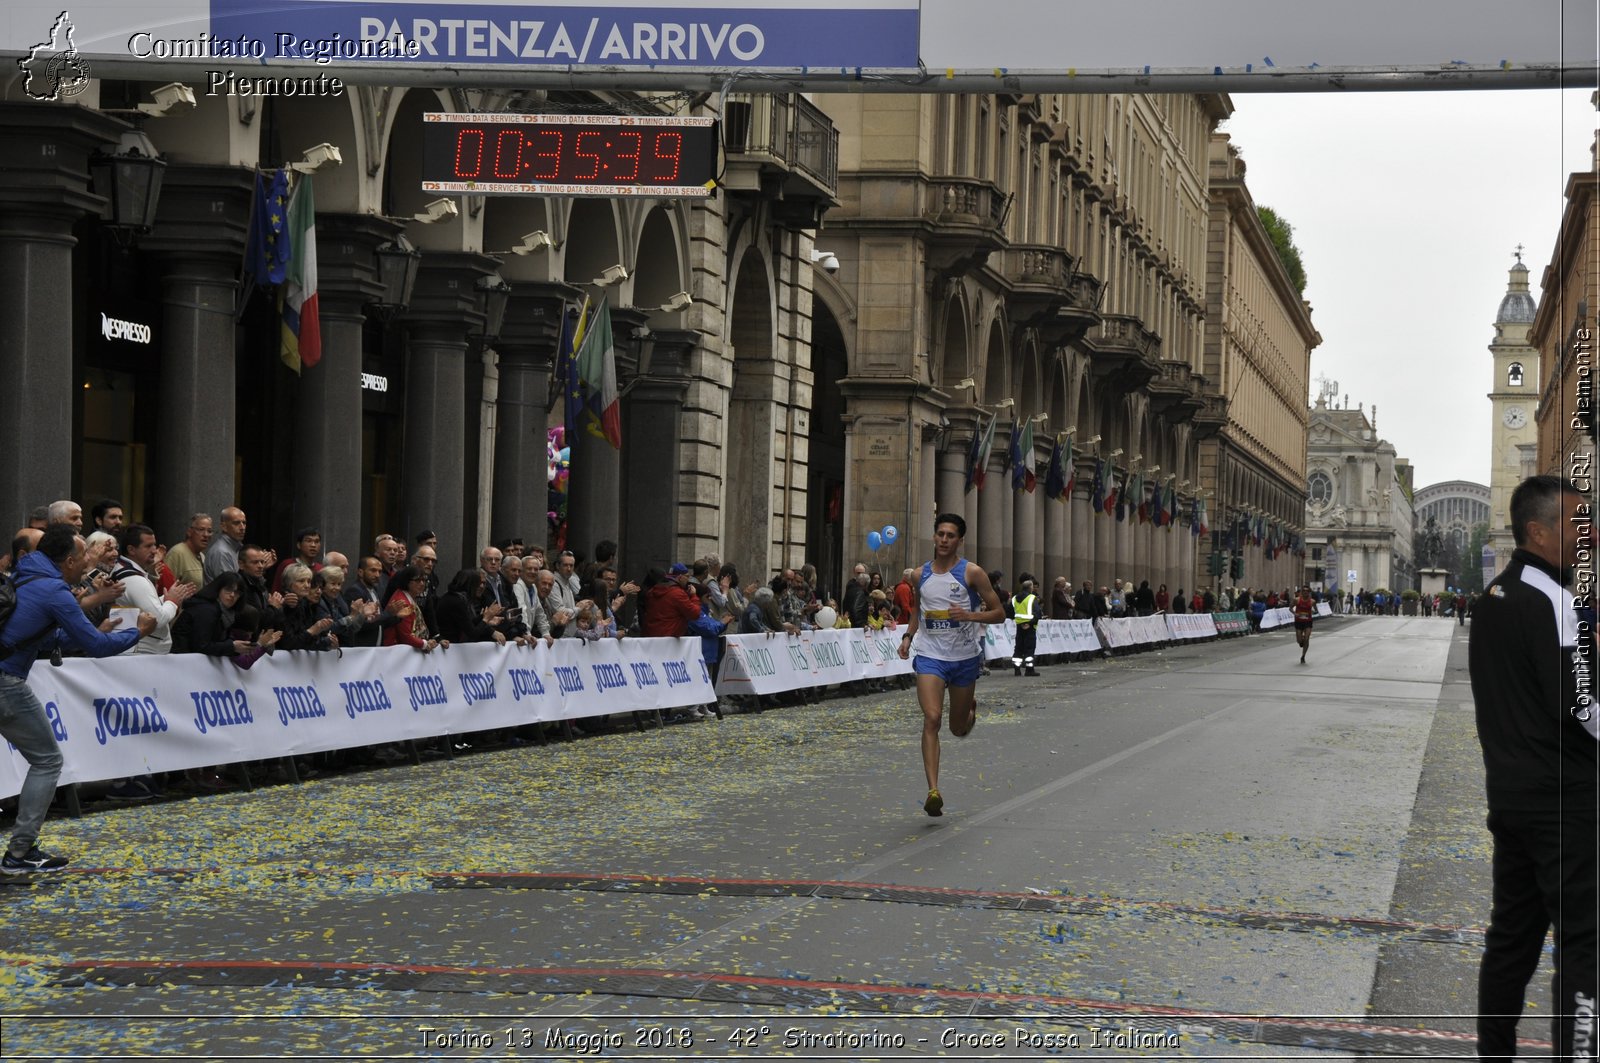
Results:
<point x="568" y="154"/>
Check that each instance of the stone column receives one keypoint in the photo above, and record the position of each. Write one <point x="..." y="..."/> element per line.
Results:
<point x="952" y="484"/>
<point x="44" y="191"/>
<point x="1105" y="548"/>
<point x="651" y="447"/>
<point x="433" y="457"/>
<point x="527" y="349"/>
<point x="1055" y="518"/>
<point x="1023" y="539"/>
<point x="328" y="418"/>
<point x="1080" y="535"/>
<point x="916" y="542"/>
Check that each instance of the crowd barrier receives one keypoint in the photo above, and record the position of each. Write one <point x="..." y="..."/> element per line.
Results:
<point x="1276" y="618"/>
<point x="1191" y="626"/>
<point x="127" y="716"/>
<point x="1324" y="609"/>
<point x="1054" y="637"/>
<point x="1231" y="623"/>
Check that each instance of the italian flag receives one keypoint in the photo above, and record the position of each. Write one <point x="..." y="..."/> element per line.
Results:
<point x="300" y="339"/>
<point x="597" y="367"/>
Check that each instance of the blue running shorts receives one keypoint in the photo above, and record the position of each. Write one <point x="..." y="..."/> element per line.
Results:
<point x="954" y="673"/>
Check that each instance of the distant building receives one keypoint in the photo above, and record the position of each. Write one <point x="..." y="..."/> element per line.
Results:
<point x="1359" y="503"/>
<point x="1457" y="506"/>
<point x="1514" y="393"/>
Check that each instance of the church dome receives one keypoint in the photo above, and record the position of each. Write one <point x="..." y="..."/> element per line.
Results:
<point x="1518" y="306"/>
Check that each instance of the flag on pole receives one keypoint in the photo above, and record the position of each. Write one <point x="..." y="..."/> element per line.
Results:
<point x="1158" y="515"/>
<point x="300" y="337"/>
<point x="1172" y="504"/>
<point x="1071" y="471"/>
<point x="1023" y="478"/>
<point x="1205" y="526"/>
<point x="1194" y="516"/>
<point x="978" y="456"/>
<point x="597" y="369"/>
<point x="1097" y="490"/>
<point x="1111" y="490"/>
<point x="1141" y="495"/>
<point x="572" y="329"/>
<point x="266" y="250"/>
<point x="1014" y="455"/>
<point x="1121" y="498"/>
<point x="1055" y="476"/>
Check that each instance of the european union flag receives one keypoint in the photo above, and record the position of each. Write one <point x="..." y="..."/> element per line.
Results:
<point x="267" y="251"/>
<point x="1055" y="477"/>
<point x="567" y="370"/>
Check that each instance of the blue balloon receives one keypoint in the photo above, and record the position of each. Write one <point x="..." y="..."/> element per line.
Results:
<point x="874" y="540"/>
<point x="890" y="534"/>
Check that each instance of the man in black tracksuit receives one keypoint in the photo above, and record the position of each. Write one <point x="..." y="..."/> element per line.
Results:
<point x="1530" y="654"/>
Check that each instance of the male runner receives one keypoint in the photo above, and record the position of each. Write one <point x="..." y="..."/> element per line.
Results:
<point x="1305" y="610"/>
<point x="944" y="643"/>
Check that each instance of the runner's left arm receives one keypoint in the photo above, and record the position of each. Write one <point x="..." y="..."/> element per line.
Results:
<point x="993" y="612"/>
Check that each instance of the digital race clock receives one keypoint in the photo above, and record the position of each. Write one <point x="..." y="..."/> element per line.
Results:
<point x="568" y="154"/>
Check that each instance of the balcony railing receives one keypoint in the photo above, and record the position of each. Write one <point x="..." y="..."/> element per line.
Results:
<point x="787" y="128"/>
<point x="967" y="199"/>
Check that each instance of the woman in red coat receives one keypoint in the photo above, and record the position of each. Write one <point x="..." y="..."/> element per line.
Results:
<point x="411" y="630"/>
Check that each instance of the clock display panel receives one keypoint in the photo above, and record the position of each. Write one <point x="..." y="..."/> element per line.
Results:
<point x="568" y="154"/>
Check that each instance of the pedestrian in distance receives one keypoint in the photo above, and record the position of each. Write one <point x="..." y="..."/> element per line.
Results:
<point x="1530" y="655"/>
<point x="943" y="640"/>
<point x="1305" y="611"/>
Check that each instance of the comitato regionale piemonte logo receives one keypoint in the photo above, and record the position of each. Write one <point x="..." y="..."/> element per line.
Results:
<point x="53" y="69"/>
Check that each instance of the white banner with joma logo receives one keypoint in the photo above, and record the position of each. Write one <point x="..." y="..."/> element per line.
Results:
<point x="127" y="716"/>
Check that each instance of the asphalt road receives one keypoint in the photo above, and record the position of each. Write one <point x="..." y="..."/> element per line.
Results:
<point x="1210" y="851"/>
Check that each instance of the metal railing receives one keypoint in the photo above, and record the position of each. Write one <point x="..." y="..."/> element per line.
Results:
<point x="787" y="128"/>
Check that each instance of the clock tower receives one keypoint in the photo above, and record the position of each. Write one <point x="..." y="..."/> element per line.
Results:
<point x="1513" y="454"/>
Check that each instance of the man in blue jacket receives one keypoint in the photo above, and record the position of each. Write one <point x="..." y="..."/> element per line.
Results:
<point x="46" y="616"/>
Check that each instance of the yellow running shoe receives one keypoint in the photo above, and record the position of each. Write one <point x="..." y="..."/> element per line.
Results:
<point x="934" y="805"/>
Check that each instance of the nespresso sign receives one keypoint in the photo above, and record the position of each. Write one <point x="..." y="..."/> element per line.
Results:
<point x="115" y="328"/>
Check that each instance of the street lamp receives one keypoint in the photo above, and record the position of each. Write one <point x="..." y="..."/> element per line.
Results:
<point x="398" y="263"/>
<point x="492" y="294"/>
<point x="130" y="180"/>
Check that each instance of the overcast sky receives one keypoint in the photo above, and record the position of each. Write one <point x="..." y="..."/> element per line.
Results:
<point x="1406" y="207"/>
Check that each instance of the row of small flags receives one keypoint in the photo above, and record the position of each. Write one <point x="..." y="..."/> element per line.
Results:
<point x="281" y="254"/>
<point x="1155" y="505"/>
<point x="1273" y="538"/>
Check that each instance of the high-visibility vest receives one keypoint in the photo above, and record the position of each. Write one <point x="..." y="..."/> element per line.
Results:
<point x="1022" y="609"/>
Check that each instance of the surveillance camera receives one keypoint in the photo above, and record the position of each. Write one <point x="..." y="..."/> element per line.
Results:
<point x="437" y="211"/>
<point x="173" y="97"/>
<point x="680" y="301"/>
<point x="611" y="275"/>
<point x="826" y="259"/>
<point x="537" y="240"/>
<point x="316" y="157"/>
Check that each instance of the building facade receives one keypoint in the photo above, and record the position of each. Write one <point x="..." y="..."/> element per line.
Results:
<point x="1258" y="344"/>
<point x="803" y="357"/>
<point x="1359" y="503"/>
<point x="1514" y="394"/>
<point x="1563" y="332"/>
